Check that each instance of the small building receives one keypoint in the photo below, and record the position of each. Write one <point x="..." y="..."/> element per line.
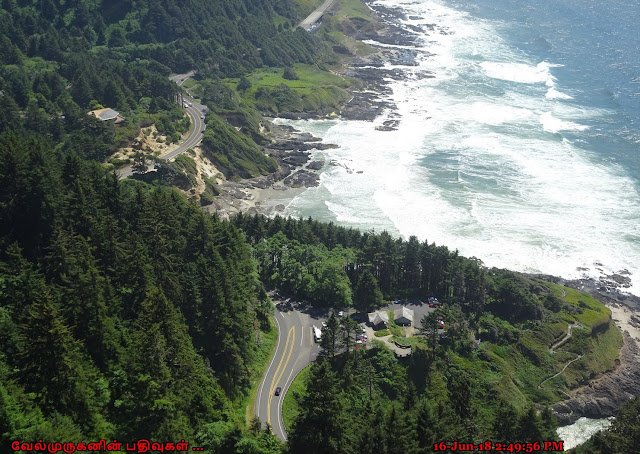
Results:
<point x="403" y="316"/>
<point x="378" y="319"/>
<point x="107" y="115"/>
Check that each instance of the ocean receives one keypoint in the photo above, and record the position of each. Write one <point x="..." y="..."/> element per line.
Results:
<point x="522" y="150"/>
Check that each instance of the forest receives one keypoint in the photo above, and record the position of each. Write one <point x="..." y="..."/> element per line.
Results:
<point x="61" y="58"/>
<point x="479" y="379"/>
<point x="126" y="311"/>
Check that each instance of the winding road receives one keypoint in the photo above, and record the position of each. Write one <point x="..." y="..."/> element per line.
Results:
<point x="296" y="349"/>
<point x="315" y="15"/>
<point x="195" y="112"/>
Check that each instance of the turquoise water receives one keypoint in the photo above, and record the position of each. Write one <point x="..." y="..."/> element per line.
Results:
<point x="523" y="150"/>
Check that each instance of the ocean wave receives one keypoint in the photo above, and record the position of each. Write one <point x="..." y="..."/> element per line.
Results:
<point x="520" y="72"/>
<point x="473" y="164"/>
<point x="494" y="114"/>
<point x="552" y="93"/>
<point x="554" y="125"/>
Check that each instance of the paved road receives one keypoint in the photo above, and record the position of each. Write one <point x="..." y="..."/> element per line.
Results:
<point x="316" y="15"/>
<point x="296" y="349"/>
<point x="195" y="112"/>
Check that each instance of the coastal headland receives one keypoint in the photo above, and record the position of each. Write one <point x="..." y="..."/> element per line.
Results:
<point x="270" y="194"/>
<point x="369" y="97"/>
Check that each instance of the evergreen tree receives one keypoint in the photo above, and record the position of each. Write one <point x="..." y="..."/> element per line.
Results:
<point x="53" y="367"/>
<point x="320" y="428"/>
<point x="331" y="336"/>
<point x="401" y="433"/>
<point x="367" y="296"/>
<point x="505" y="422"/>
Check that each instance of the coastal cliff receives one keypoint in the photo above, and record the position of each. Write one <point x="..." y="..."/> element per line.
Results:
<point x="603" y="396"/>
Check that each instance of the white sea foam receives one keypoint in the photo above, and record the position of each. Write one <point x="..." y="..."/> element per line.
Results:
<point x="519" y="72"/>
<point x="492" y="113"/>
<point x="552" y="93"/>
<point x="555" y="125"/>
<point x="473" y="164"/>
<point x="580" y="431"/>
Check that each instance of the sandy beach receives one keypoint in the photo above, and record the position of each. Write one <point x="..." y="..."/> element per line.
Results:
<point x="625" y="319"/>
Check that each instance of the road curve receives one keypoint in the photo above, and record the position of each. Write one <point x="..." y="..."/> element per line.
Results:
<point x="195" y="112"/>
<point x="295" y="350"/>
<point x="315" y="15"/>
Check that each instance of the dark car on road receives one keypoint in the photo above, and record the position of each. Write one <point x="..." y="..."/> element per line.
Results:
<point x="278" y="391"/>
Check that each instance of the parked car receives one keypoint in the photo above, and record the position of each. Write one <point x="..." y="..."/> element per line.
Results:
<point x="278" y="391"/>
<point x="363" y="328"/>
<point x="340" y="314"/>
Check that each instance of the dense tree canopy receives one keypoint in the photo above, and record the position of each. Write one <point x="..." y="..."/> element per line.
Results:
<point x="125" y="311"/>
<point x="59" y="59"/>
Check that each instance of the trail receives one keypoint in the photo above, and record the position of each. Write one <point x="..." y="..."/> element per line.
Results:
<point x="565" y="339"/>
<point x="559" y="344"/>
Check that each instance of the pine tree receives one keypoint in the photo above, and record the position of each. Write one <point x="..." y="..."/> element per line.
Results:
<point x="505" y="422"/>
<point x="52" y="366"/>
<point x="367" y="295"/>
<point x="320" y="428"/>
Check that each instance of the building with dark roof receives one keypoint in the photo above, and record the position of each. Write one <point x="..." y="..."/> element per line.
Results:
<point x="378" y="319"/>
<point x="403" y="316"/>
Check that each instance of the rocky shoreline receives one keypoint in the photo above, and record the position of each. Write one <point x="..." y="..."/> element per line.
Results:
<point x="266" y="194"/>
<point x="602" y="396"/>
<point x="269" y="194"/>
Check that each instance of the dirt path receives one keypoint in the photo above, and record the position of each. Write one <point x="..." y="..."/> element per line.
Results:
<point x="388" y="342"/>
<point x="559" y="344"/>
<point x="565" y="339"/>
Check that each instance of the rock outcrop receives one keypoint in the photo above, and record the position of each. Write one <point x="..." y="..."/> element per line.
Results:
<point x="601" y="397"/>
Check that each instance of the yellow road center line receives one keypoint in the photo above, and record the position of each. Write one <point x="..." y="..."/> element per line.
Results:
<point x="284" y="367"/>
<point x="290" y="341"/>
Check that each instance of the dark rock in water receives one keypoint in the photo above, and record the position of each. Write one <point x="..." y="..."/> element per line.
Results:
<point x="414" y="28"/>
<point x="295" y="159"/>
<point x="388" y="125"/>
<point x="315" y="165"/>
<point x="619" y="279"/>
<point x="302" y="179"/>
<point x="394" y="12"/>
